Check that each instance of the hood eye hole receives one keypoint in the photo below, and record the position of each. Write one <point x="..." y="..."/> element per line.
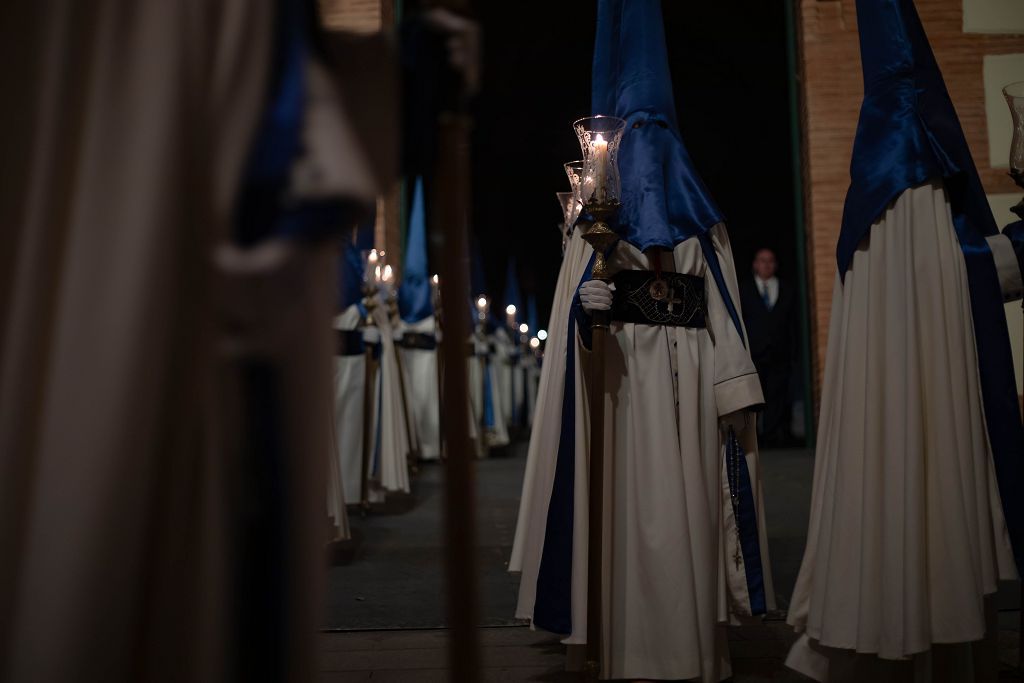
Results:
<point x="638" y="124"/>
<point x="662" y="124"/>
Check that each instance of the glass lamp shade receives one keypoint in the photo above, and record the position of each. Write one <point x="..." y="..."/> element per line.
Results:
<point x="568" y="203"/>
<point x="1014" y="94"/>
<point x="600" y="137"/>
<point x="574" y="171"/>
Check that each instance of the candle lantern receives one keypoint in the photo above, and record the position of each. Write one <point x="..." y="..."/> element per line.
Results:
<point x="600" y="186"/>
<point x="1014" y="94"/>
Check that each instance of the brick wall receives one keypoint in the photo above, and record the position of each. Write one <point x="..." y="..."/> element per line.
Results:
<point x="832" y="91"/>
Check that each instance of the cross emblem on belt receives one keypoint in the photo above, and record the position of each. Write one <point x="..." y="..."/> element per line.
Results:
<point x="672" y="299"/>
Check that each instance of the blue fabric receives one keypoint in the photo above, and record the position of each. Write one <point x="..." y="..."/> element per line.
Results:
<point x="745" y="512"/>
<point x="488" y="395"/>
<point x="350" y="275"/>
<point x="664" y="201"/>
<point x="552" y="610"/>
<point x="415" y="298"/>
<point x="512" y="297"/>
<point x="909" y="134"/>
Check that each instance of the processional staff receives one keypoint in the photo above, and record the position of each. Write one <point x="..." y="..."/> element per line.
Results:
<point x="600" y="189"/>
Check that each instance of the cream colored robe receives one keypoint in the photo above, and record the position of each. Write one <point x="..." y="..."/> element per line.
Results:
<point x="907" y="534"/>
<point x="671" y="584"/>
<point x="424" y="398"/>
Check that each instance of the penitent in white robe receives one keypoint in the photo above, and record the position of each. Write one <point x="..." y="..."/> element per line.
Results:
<point x="672" y="580"/>
<point x="907" y="535"/>
<point x="349" y="383"/>
<point x="420" y="367"/>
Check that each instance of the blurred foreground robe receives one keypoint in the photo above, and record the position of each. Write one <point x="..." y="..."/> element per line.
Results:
<point x="685" y="543"/>
<point x="122" y="471"/>
<point x="915" y="513"/>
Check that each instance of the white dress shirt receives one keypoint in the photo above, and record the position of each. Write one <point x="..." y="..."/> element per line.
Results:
<point x="769" y="286"/>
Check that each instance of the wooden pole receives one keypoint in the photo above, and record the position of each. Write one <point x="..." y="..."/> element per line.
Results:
<point x="369" y="386"/>
<point x="451" y="202"/>
<point x="595" y="527"/>
<point x="601" y="237"/>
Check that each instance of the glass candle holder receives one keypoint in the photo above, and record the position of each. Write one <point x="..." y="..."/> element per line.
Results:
<point x="568" y="203"/>
<point x="575" y="172"/>
<point x="600" y="137"/>
<point x="1014" y="94"/>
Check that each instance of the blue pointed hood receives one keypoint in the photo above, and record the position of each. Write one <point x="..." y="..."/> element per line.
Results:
<point x="414" y="295"/>
<point x="350" y="275"/>
<point x="908" y="132"/>
<point x="664" y="201"/>
<point x="512" y="296"/>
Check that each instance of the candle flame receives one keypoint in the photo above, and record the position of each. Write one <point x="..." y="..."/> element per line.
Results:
<point x="436" y="279"/>
<point x="388" y="273"/>
<point x="510" y="309"/>
<point x="535" y="343"/>
<point x="599" y="138"/>
<point x="524" y="328"/>
<point x="542" y="334"/>
<point x="372" y="258"/>
<point x="376" y="273"/>
<point x="481" y="303"/>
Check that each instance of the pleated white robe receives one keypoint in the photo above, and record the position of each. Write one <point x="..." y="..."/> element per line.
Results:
<point x="349" y="400"/>
<point x="671" y="583"/>
<point x="420" y="367"/>
<point x="907" y="534"/>
<point x="392" y="466"/>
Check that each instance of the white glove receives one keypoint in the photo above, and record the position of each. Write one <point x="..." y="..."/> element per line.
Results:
<point x="371" y="335"/>
<point x="596" y="295"/>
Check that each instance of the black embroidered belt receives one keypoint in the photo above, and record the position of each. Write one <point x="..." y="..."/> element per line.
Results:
<point x="349" y="343"/>
<point x="676" y="299"/>
<point x="418" y="340"/>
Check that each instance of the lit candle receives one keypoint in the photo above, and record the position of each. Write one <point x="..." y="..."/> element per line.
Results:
<point x="542" y="334"/>
<point x="535" y="343"/>
<point x="524" y="328"/>
<point x="376" y="274"/>
<point x="481" y="307"/>
<point x="510" y="311"/>
<point x="371" y="263"/>
<point x="600" y="166"/>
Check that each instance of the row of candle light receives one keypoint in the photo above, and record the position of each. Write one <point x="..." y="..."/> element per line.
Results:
<point x="382" y="276"/>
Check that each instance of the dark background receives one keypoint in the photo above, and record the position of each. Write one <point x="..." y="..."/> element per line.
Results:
<point x="730" y="79"/>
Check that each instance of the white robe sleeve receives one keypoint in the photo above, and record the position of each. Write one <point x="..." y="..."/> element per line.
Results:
<point x="1011" y="282"/>
<point x="736" y="382"/>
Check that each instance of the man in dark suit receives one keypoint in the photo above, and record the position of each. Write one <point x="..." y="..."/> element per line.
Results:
<point x="769" y="312"/>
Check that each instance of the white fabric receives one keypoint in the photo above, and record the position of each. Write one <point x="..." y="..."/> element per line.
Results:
<point x="906" y="533"/>
<point x="540" y="459"/>
<point x="1011" y="281"/>
<point x="771" y="285"/>
<point x="424" y="398"/>
<point x="392" y="466"/>
<point x="504" y="373"/>
<point x="349" y="399"/>
<point x="671" y="582"/>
